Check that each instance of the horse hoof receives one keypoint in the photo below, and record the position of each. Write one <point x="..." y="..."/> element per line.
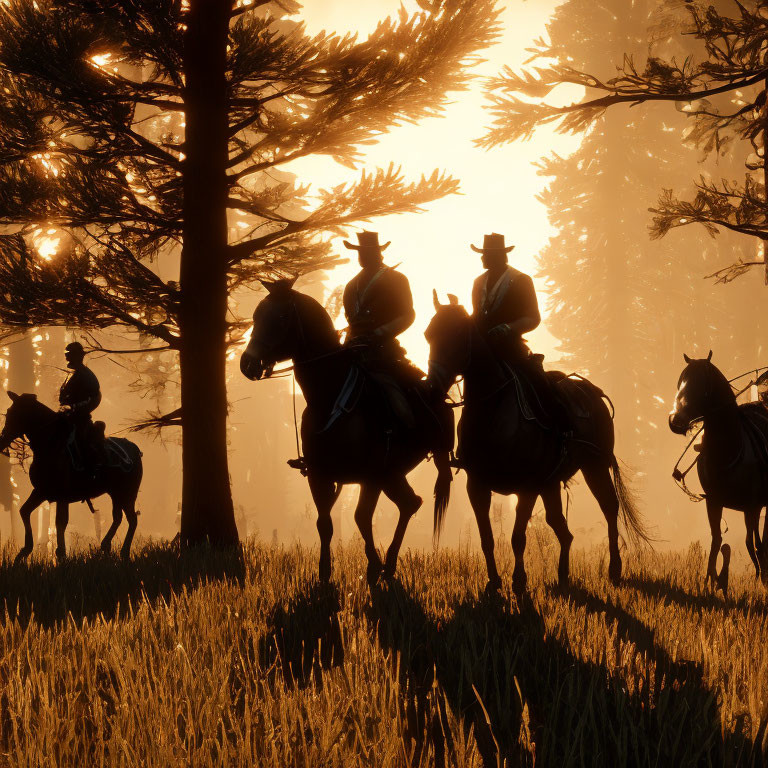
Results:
<point x="614" y="574"/>
<point x="125" y="554"/>
<point x="106" y="547"/>
<point x="520" y="583"/>
<point x="324" y="572"/>
<point x="23" y="555"/>
<point x="372" y="573"/>
<point x="388" y="573"/>
<point x="492" y="588"/>
<point x="61" y="554"/>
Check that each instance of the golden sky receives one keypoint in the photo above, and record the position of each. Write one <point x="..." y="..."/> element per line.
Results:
<point x="499" y="187"/>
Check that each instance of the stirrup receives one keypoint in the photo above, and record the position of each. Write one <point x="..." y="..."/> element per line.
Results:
<point x="300" y="464"/>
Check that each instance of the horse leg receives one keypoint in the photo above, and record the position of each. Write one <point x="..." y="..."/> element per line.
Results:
<point x="553" y="506"/>
<point x="117" y="516"/>
<point x="600" y="483"/>
<point x="751" y="521"/>
<point x="480" y="499"/>
<point x="715" y="515"/>
<point x="525" y="503"/>
<point x="408" y="502"/>
<point x="762" y="552"/>
<point x="34" y="500"/>
<point x="324" y="495"/>
<point x="62" y="520"/>
<point x="366" y="506"/>
<point x="129" y="507"/>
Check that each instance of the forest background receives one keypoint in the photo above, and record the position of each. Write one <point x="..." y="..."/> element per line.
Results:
<point x="618" y="306"/>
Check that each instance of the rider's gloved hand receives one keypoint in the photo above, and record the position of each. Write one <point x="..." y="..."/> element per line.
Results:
<point x="498" y="332"/>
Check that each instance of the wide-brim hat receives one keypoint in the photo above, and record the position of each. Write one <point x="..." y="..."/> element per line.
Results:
<point x="367" y="241"/>
<point x="493" y="243"/>
<point x="75" y="348"/>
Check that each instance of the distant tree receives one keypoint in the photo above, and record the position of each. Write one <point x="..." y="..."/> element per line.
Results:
<point x="724" y="93"/>
<point x="624" y="308"/>
<point x="144" y="128"/>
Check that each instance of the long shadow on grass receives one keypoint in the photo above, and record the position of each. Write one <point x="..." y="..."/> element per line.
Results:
<point x="86" y="585"/>
<point x="528" y="698"/>
<point x="660" y="589"/>
<point x="304" y="636"/>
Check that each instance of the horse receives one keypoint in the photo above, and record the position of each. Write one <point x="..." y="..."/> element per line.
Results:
<point x="346" y="434"/>
<point x="733" y="455"/>
<point x="55" y="479"/>
<point x="505" y="448"/>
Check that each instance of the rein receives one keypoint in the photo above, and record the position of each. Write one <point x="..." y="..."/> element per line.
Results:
<point x="679" y="475"/>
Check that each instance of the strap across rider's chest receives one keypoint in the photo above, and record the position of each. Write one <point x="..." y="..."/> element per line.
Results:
<point x="491" y="299"/>
<point x="360" y="295"/>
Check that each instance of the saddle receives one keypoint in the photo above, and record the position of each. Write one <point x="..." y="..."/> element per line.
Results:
<point x="530" y="379"/>
<point x="754" y="418"/>
<point x="108" y="451"/>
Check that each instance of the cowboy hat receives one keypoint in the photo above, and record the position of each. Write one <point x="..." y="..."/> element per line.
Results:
<point x="493" y="243"/>
<point x="367" y="241"/>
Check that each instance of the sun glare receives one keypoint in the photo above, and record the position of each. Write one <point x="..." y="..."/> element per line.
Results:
<point x="498" y="188"/>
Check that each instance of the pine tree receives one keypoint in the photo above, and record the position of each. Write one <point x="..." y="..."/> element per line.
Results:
<point x="144" y="128"/>
<point x="624" y="308"/>
<point x="722" y="89"/>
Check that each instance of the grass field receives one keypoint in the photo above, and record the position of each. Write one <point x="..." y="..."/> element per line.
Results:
<point x="208" y="659"/>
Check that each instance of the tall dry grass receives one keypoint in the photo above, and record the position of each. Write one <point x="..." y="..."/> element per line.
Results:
<point x="209" y="659"/>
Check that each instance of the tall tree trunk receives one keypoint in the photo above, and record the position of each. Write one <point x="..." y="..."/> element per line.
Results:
<point x="21" y="378"/>
<point x="207" y="511"/>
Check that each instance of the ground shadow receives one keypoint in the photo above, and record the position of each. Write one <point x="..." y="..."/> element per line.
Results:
<point x="88" y="584"/>
<point x="529" y="699"/>
<point x="304" y="636"/>
<point x="660" y="589"/>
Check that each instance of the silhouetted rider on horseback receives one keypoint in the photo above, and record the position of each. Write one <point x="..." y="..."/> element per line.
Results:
<point x="79" y="396"/>
<point x="378" y="307"/>
<point x="505" y="307"/>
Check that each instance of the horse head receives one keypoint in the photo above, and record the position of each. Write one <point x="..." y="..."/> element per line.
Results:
<point x="17" y="418"/>
<point x="287" y="325"/>
<point x="701" y="389"/>
<point x="449" y="338"/>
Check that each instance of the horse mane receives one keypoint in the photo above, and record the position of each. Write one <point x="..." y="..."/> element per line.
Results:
<point x="317" y="315"/>
<point x="720" y="385"/>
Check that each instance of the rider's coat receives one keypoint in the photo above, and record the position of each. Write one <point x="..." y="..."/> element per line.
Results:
<point x="499" y="305"/>
<point x="378" y="304"/>
<point x="81" y="391"/>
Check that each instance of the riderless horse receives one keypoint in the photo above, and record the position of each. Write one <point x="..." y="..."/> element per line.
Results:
<point x="733" y="455"/>
<point x="56" y="478"/>
<point x="347" y="433"/>
<point x="505" y="448"/>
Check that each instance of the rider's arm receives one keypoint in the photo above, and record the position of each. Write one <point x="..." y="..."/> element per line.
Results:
<point x="526" y="308"/>
<point x="402" y="307"/>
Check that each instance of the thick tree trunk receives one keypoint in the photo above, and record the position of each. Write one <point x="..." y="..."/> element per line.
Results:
<point x="207" y="512"/>
<point x="21" y="378"/>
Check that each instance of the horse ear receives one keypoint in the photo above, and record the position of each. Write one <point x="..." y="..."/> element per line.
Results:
<point x="709" y="356"/>
<point x="453" y="300"/>
<point x="687" y="359"/>
<point x="435" y="300"/>
<point x="289" y="283"/>
<point x="14" y="397"/>
<point x="268" y="285"/>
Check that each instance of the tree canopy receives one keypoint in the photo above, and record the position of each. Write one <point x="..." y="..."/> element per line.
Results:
<point x="721" y="86"/>
<point x="149" y="135"/>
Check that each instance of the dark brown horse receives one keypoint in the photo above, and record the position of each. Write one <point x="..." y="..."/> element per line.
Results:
<point x="733" y="457"/>
<point x="505" y="449"/>
<point x="347" y="433"/>
<point x="54" y="478"/>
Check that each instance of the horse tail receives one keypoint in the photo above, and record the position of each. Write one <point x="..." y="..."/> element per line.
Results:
<point x="636" y="530"/>
<point x="442" y="495"/>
